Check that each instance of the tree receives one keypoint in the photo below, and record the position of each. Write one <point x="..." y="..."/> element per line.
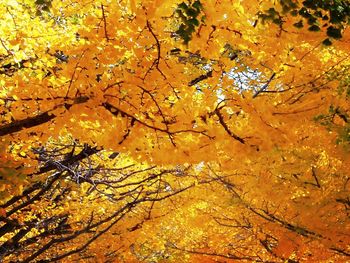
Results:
<point x="142" y="121"/>
<point x="80" y="201"/>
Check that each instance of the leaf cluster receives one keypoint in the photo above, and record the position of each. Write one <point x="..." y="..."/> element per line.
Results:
<point x="332" y="15"/>
<point x="43" y="6"/>
<point x="189" y="17"/>
<point x="329" y="120"/>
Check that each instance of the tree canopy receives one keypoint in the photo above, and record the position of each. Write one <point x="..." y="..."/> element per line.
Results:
<point x="174" y="131"/>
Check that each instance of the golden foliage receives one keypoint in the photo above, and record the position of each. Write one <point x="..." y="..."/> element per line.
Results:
<point x="230" y="132"/>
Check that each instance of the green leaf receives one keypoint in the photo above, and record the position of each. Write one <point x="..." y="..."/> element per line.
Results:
<point x="294" y="12"/>
<point x="45" y="8"/>
<point x="190" y="28"/>
<point x="311" y="20"/>
<point x="277" y="21"/>
<point x="183" y="6"/>
<point x="272" y="11"/>
<point x="193" y="21"/>
<point x="192" y="12"/>
<point x="299" y="24"/>
<point x="327" y="42"/>
<point x="304" y="13"/>
<point x="318" y="13"/>
<point x="314" y="28"/>
<point x="348" y="92"/>
<point x="181" y="29"/>
<point x="310" y="4"/>
<point x="197" y="5"/>
<point x="337" y="17"/>
<point x="334" y="32"/>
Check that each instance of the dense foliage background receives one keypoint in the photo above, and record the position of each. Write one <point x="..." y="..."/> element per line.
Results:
<point x="174" y="131"/>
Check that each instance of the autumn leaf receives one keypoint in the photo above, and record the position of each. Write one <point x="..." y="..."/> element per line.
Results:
<point x="174" y="131"/>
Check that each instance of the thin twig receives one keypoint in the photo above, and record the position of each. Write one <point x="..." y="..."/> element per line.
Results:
<point x="157" y="60"/>
<point x="104" y="22"/>
<point x="263" y="88"/>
